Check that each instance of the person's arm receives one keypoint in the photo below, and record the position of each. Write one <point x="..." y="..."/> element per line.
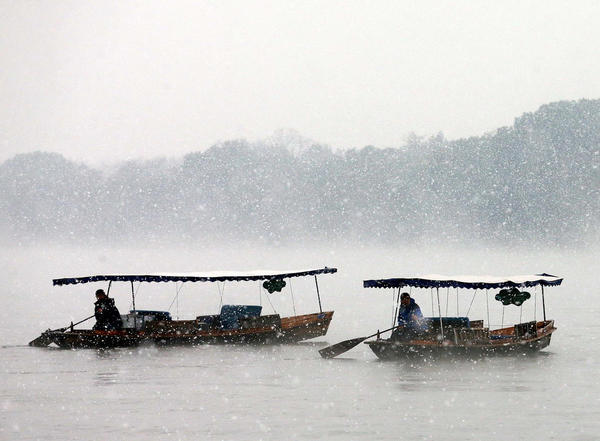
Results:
<point x="401" y="318"/>
<point x="416" y="314"/>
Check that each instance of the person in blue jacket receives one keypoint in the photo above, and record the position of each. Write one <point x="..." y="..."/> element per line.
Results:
<point x="409" y="318"/>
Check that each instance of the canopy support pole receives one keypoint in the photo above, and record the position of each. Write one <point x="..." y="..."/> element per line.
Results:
<point x="535" y="305"/>
<point x="292" y="293"/>
<point x="457" y="314"/>
<point x="447" y="299"/>
<point x="543" y="303"/>
<point x="440" y="312"/>
<point x="396" y="308"/>
<point x="177" y="300"/>
<point x="108" y="290"/>
<point x="487" y="307"/>
<point x="133" y="304"/>
<point x="132" y="296"/>
<point x="318" y="295"/>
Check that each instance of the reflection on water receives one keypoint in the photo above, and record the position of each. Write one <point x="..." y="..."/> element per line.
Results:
<point x="106" y="378"/>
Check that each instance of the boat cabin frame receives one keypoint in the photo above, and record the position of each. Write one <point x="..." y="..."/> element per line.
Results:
<point x="457" y="335"/>
<point x="241" y="325"/>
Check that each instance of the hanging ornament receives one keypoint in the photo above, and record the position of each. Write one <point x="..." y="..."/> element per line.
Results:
<point x="512" y="296"/>
<point x="274" y="285"/>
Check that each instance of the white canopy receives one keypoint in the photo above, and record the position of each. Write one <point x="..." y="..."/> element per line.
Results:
<point x="213" y="276"/>
<point x="469" y="282"/>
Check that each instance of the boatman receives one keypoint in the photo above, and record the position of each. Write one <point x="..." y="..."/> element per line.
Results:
<point x="107" y="314"/>
<point x="409" y="319"/>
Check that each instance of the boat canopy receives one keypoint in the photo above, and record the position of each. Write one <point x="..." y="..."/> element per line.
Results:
<point x="215" y="276"/>
<point x="469" y="282"/>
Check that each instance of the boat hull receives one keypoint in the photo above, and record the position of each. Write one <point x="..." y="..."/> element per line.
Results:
<point x="292" y="329"/>
<point x="387" y="349"/>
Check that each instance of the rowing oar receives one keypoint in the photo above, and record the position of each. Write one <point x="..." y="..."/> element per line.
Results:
<point x="346" y="345"/>
<point x="43" y="340"/>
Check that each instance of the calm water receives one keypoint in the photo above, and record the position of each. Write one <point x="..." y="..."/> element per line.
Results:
<point x="288" y="391"/>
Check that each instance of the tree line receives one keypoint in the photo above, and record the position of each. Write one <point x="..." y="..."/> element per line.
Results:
<point x="535" y="182"/>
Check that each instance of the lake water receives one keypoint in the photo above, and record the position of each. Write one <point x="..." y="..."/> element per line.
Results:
<point x="288" y="391"/>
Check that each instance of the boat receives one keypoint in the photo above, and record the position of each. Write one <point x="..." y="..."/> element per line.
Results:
<point x="458" y="335"/>
<point x="235" y="324"/>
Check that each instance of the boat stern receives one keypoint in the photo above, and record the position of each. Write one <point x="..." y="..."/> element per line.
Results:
<point x="304" y="327"/>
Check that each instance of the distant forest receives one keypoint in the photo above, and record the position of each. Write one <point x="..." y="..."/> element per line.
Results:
<point x="536" y="182"/>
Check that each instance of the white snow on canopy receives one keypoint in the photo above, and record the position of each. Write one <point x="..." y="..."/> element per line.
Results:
<point x="469" y="282"/>
<point x="213" y="276"/>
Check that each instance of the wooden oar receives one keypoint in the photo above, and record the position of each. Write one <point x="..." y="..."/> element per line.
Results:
<point x="346" y="345"/>
<point x="44" y="340"/>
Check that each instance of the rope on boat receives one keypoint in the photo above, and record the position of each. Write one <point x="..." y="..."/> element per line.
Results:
<point x="520" y="312"/>
<point x="221" y="292"/>
<point x="177" y="291"/>
<point x="272" y="307"/>
<point x="470" y="304"/>
<point x="395" y="306"/>
<point x="292" y="293"/>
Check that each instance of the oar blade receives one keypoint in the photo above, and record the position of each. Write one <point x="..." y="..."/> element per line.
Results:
<point x="341" y="347"/>
<point x="41" y="342"/>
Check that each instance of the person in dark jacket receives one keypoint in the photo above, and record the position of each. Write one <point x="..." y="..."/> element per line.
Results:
<point x="107" y="314"/>
<point x="409" y="318"/>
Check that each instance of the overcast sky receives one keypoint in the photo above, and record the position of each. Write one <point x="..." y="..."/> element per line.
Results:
<point x="106" y="80"/>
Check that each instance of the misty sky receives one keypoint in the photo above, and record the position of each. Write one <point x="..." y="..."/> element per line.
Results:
<point x="114" y="80"/>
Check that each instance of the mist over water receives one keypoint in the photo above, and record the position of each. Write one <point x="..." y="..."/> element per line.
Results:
<point x="407" y="138"/>
<point x="288" y="391"/>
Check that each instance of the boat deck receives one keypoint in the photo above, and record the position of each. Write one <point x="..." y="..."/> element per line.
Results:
<point x="271" y="329"/>
<point x="525" y="337"/>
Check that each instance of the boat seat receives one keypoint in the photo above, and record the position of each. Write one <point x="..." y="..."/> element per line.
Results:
<point x="272" y="321"/>
<point x="231" y="314"/>
<point x="172" y="326"/>
<point x="208" y="321"/>
<point x="448" y="322"/>
<point x="526" y="330"/>
<point x="157" y="315"/>
<point x="472" y="335"/>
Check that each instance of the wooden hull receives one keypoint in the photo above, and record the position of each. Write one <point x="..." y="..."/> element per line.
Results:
<point x="505" y="344"/>
<point x="292" y="329"/>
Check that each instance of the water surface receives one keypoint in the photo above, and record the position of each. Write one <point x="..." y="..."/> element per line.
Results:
<point x="288" y="391"/>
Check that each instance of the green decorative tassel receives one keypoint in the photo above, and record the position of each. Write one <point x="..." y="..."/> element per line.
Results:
<point x="512" y="296"/>
<point x="274" y="285"/>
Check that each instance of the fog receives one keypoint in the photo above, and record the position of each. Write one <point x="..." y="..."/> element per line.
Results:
<point x="385" y="139"/>
<point x="31" y="303"/>
<point x="144" y="79"/>
<point x="535" y="184"/>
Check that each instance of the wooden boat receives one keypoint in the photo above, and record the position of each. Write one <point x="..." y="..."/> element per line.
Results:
<point x="460" y="336"/>
<point x="234" y="324"/>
